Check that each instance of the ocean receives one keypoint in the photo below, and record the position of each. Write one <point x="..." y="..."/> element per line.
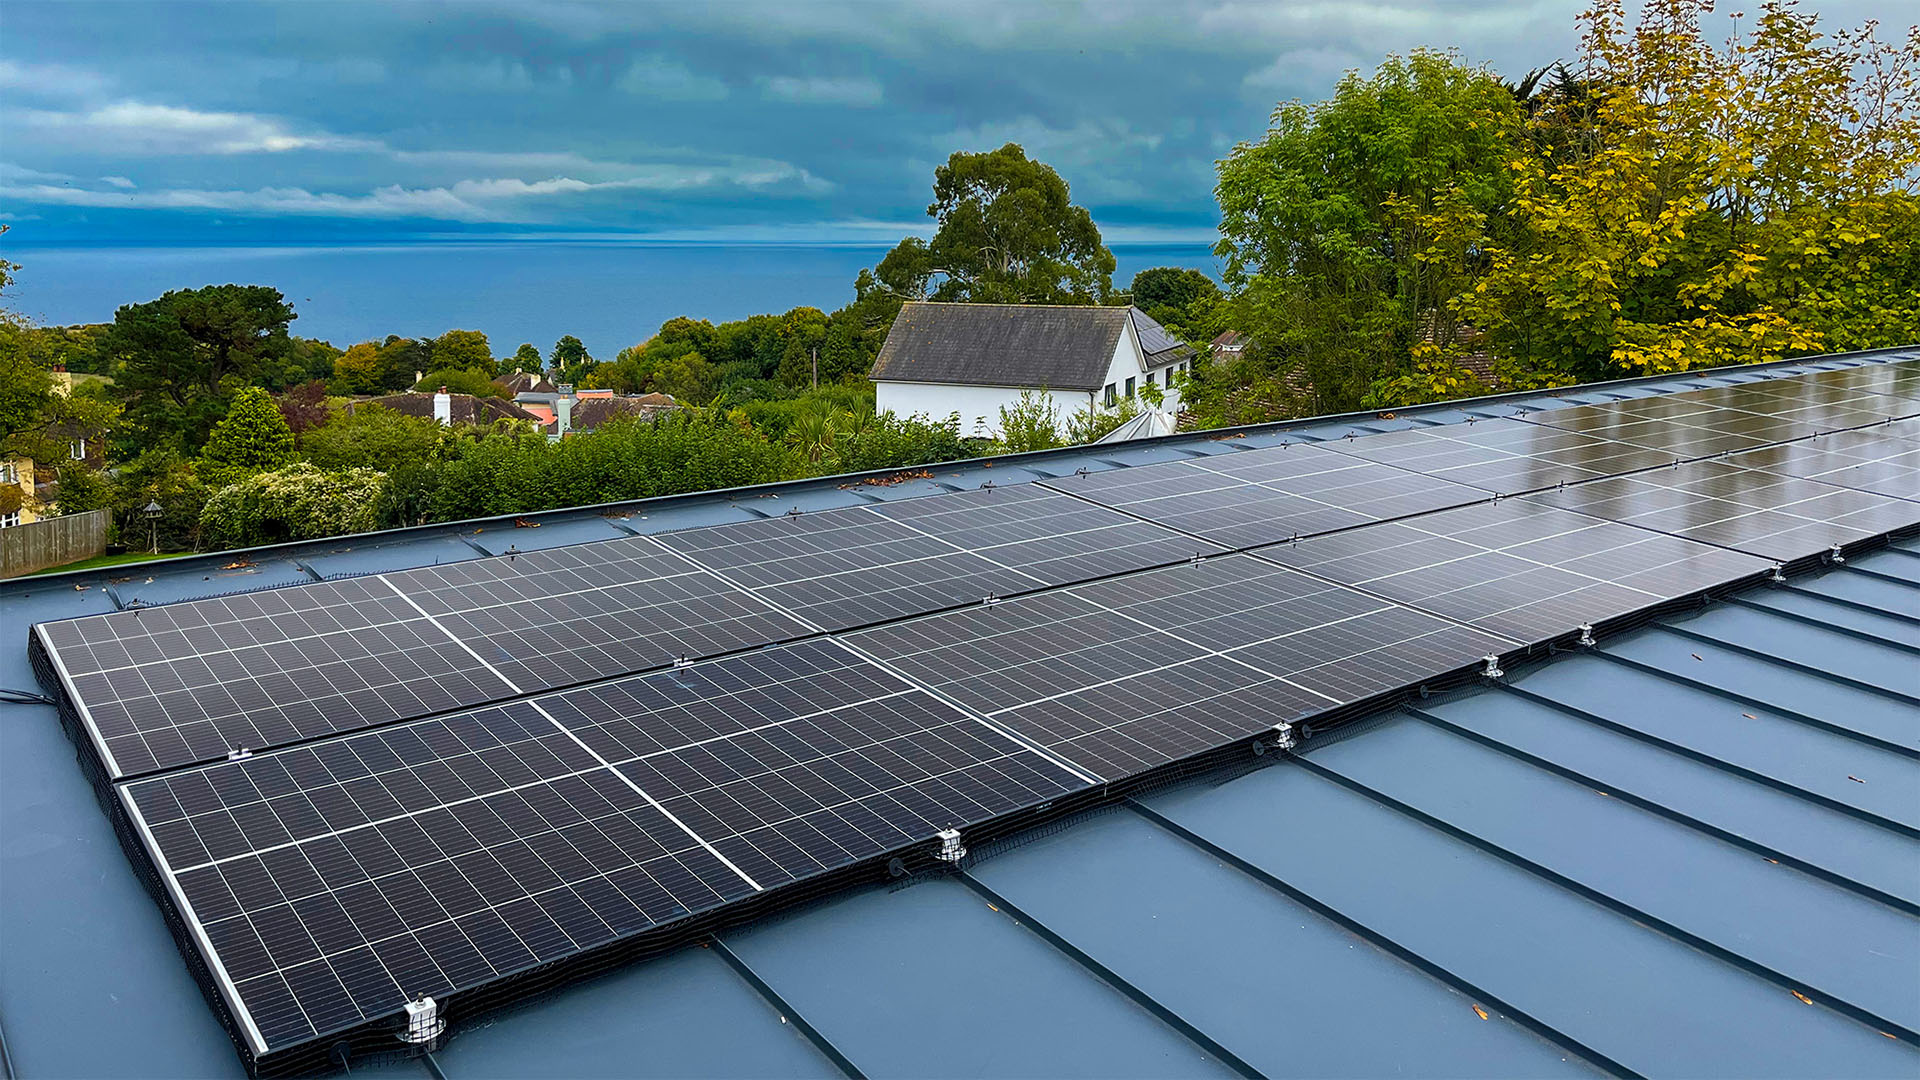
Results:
<point x="607" y="294"/>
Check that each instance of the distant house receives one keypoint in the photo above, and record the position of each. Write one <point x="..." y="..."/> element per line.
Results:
<point x="450" y="409"/>
<point x="523" y="382"/>
<point x="975" y="359"/>
<point x="588" y="411"/>
<point x="1230" y="345"/>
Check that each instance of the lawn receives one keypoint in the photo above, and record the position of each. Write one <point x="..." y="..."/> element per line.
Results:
<point x="99" y="561"/>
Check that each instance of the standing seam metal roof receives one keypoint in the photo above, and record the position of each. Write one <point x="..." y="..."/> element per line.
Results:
<point x="1692" y="851"/>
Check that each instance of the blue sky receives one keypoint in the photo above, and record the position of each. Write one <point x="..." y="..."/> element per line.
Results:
<point x="319" y="122"/>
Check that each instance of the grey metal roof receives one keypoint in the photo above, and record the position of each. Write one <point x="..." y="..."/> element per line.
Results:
<point x="1692" y="851"/>
<point x="1032" y="345"/>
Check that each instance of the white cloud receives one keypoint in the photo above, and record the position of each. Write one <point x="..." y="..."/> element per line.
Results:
<point x="489" y="199"/>
<point x="668" y="80"/>
<point x="51" y="80"/>
<point x="120" y="182"/>
<point x="140" y="127"/>
<point x="814" y="90"/>
<point x="11" y="173"/>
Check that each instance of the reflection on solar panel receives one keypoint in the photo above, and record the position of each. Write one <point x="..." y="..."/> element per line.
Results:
<point x="1524" y="571"/>
<point x="1124" y="675"/>
<point x="1259" y="496"/>
<point x="329" y="884"/>
<point x="1717" y="502"/>
<point x="194" y="682"/>
<point x="1824" y="406"/>
<point x="191" y="682"/>
<point x="1880" y="459"/>
<point x="852" y="567"/>
<point x="1897" y="380"/>
<point x="1677" y="427"/>
<point x="1503" y="456"/>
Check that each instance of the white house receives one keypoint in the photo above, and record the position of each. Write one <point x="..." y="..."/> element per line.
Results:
<point x="975" y="359"/>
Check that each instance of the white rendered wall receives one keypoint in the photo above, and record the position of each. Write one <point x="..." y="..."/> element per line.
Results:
<point x="979" y="406"/>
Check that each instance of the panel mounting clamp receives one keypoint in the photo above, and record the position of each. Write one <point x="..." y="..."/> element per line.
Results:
<point x="424" y="1023"/>
<point x="951" y="850"/>
<point x="1492" y="670"/>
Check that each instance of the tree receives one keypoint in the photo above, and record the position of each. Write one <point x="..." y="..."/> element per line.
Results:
<point x="569" y="352"/>
<point x="182" y="356"/>
<point x="359" y="370"/>
<point x="373" y="436"/>
<point x="803" y="331"/>
<point x="1323" y="221"/>
<point x="1178" y="298"/>
<point x="525" y="358"/>
<point x="304" y="407"/>
<point x="1008" y="233"/>
<point x="402" y="361"/>
<point x="470" y="381"/>
<point x="1032" y="423"/>
<point x="464" y="350"/>
<point x="252" y="437"/>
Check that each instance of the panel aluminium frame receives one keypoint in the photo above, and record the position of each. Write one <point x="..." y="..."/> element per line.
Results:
<point x="192" y="682"/>
<point x="328" y="884"/>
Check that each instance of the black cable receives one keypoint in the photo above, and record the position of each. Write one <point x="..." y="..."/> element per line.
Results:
<point x="10" y="696"/>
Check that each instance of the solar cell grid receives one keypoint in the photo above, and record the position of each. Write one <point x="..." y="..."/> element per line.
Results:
<point x="1749" y="509"/>
<point x="1503" y="456"/>
<point x="1879" y="459"/>
<point x="1516" y="568"/>
<point x="845" y="568"/>
<point x="1259" y="496"/>
<point x="169" y="686"/>
<point x="1133" y="672"/>
<point x="1894" y="379"/>
<point x="333" y="882"/>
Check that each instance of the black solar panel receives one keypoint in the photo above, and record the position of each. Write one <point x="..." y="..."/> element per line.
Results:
<point x="1718" y="502"/>
<point x="185" y="683"/>
<point x="852" y="567"/>
<point x="1827" y="407"/>
<point x="1884" y="459"/>
<point x="331" y="883"/>
<point x="1521" y="570"/>
<point x="589" y="611"/>
<point x="1259" y="496"/>
<point x="1127" y="674"/>
<point x="1897" y="380"/>
<point x="1503" y="456"/>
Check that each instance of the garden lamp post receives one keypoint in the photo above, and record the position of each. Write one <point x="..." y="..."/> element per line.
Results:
<point x="153" y="510"/>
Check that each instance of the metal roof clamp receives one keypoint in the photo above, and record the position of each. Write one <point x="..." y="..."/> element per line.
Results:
<point x="1284" y="737"/>
<point x="990" y="600"/>
<point x="239" y="754"/>
<point x="1779" y="574"/>
<point x="1835" y="557"/>
<point x="424" y="1023"/>
<point x="1198" y="558"/>
<point x="1492" y="670"/>
<point x="794" y="511"/>
<point x="682" y="661"/>
<point x="1082" y="472"/>
<point x="951" y="849"/>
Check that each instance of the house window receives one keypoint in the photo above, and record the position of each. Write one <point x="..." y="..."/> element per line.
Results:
<point x="9" y="473"/>
<point x="1129" y="386"/>
<point x="77" y="450"/>
<point x="1110" y="396"/>
<point x="1149" y="378"/>
<point x="9" y="519"/>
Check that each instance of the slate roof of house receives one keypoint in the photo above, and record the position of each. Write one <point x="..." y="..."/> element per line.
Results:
<point x="524" y="382"/>
<point x="466" y="409"/>
<point x="590" y="412"/>
<point x="1689" y="851"/>
<point x="1058" y="347"/>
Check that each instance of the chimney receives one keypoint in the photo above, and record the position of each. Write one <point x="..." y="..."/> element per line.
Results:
<point x="443" y="407"/>
<point x="419" y="376"/>
<point x="563" y="413"/>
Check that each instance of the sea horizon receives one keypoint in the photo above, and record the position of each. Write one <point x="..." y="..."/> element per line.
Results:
<point x="609" y="291"/>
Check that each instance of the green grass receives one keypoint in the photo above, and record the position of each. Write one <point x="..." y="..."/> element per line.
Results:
<point x="99" y="561"/>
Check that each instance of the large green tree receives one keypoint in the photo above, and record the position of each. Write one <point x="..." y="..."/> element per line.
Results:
<point x="463" y="349"/>
<point x="1008" y="233"/>
<point x="182" y="356"/>
<point x="1325" y="221"/>
<point x="252" y="437"/>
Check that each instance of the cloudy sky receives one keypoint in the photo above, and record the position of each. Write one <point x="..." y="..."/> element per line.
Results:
<point x="127" y="123"/>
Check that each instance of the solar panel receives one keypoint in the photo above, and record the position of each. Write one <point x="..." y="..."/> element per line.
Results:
<point x="1681" y="429"/>
<point x="1516" y="568"/>
<point x="569" y="614"/>
<point x="1895" y="379"/>
<point x="193" y="682"/>
<point x="1503" y="456"/>
<point x="1827" y="408"/>
<point x="1131" y="673"/>
<point x="329" y="884"/>
<point x="844" y="568"/>
<point x="1878" y="459"/>
<point x="1274" y="493"/>
<point x="1752" y="510"/>
<point x="166" y="686"/>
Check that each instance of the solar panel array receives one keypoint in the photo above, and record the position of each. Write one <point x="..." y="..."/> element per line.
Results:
<point x="443" y="777"/>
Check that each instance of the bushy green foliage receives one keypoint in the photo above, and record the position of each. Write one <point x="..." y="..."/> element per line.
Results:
<point x="626" y="459"/>
<point x="182" y="357"/>
<point x="460" y="350"/>
<point x="252" y="437"/>
<point x="166" y="477"/>
<point x="891" y="442"/>
<point x="475" y="381"/>
<point x="1032" y="423"/>
<point x="299" y="502"/>
<point x="83" y="488"/>
<point x="375" y="437"/>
